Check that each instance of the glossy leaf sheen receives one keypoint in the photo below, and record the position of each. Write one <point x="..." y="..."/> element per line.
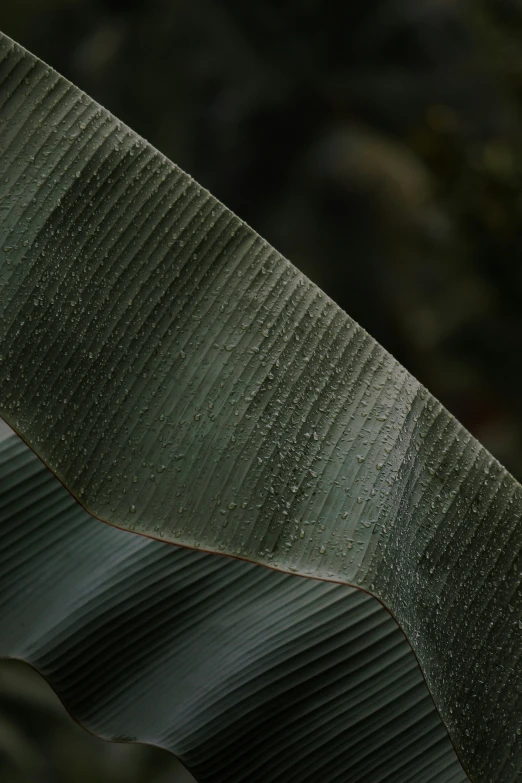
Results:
<point x="246" y="674"/>
<point x="187" y="382"/>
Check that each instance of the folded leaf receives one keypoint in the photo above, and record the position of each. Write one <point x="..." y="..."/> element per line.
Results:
<point x="243" y="672"/>
<point x="185" y="381"/>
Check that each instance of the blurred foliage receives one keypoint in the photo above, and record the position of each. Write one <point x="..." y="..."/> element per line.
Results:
<point x="40" y="743"/>
<point x="386" y="132"/>
<point x="377" y="144"/>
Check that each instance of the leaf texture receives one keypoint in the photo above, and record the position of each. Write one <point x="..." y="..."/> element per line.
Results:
<point x="185" y="381"/>
<point x="243" y="672"/>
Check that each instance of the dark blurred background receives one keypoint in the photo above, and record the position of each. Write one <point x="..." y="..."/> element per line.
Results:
<point x="40" y="743"/>
<point x="377" y="144"/>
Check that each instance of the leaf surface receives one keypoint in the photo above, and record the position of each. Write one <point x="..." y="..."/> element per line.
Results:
<point x="185" y="381"/>
<point x="243" y="672"/>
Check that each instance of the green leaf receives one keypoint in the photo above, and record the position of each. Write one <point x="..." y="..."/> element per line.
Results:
<point x="185" y="381"/>
<point x="244" y="673"/>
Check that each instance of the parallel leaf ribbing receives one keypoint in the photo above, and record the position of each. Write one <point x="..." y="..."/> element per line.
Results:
<point x="243" y="672"/>
<point x="185" y="381"/>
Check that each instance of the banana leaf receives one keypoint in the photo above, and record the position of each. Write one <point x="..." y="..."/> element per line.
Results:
<point x="243" y="672"/>
<point x="186" y="382"/>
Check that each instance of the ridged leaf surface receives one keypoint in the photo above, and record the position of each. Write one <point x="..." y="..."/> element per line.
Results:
<point x="185" y="381"/>
<point x="245" y="673"/>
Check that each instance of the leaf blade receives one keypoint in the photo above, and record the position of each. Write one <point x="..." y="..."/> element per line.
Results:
<point x="242" y="672"/>
<point x="101" y="310"/>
